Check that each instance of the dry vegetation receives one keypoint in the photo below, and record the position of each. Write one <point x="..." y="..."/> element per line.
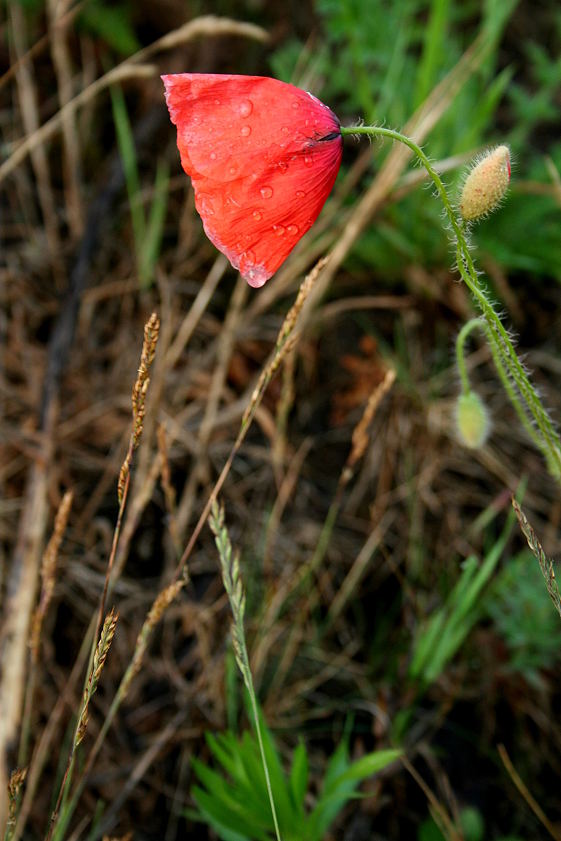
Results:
<point x="349" y="497"/>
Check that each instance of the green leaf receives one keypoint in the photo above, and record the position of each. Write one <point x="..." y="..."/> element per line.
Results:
<point x="338" y="763"/>
<point x="299" y="777"/>
<point x="228" y="825"/>
<point x="364" y="767"/>
<point x="112" y="24"/>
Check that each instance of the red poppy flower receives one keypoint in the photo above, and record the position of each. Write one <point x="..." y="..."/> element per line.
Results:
<point x="262" y="155"/>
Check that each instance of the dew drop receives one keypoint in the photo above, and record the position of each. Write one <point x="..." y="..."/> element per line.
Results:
<point x="300" y="194"/>
<point x="205" y="206"/>
<point x="295" y="104"/>
<point x="246" y="107"/>
<point x="308" y="160"/>
<point x="282" y="165"/>
<point x="279" y="230"/>
<point x="217" y="102"/>
<point x="245" y="131"/>
<point x="284" y="129"/>
<point x="266" y="192"/>
<point x="233" y="170"/>
<point x="293" y="230"/>
<point x="257" y="215"/>
<point x="212" y="156"/>
<point x="257" y="276"/>
<point x="247" y="259"/>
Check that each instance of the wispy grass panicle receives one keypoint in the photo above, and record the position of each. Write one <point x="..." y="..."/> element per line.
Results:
<point x="155" y="614"/>
<point x="161" y="604"/>
<point x="16" y="781"/>
<point x="360" y="435"/>
<point x="546" y="564"/>
<point x="48" y="577"/>
<point x="140" y="388"/>
<point x="48" y="569"/>
<point x="100" y="656"/>
<point x="98" y="662"/>
<point x="285" y="343"/>
<point x="231" y="576"/>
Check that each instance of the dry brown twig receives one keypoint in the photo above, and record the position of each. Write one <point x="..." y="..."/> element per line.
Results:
<point x="62" y="64"/>
<point x="554" y="831"/>
<point x="168" y="488"/>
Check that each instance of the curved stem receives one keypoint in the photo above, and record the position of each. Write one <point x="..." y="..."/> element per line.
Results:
<point x="468" y="327"/>
<point x="545" y="435"/>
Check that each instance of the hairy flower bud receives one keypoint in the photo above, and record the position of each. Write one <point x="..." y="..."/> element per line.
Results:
<point x="472" y="420"/>
<point x="486" y="184"/>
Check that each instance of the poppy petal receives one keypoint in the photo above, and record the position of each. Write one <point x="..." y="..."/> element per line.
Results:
<point x="263" y="156"/>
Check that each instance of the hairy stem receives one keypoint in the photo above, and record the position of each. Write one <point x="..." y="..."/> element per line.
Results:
<point x="544" y="434"/>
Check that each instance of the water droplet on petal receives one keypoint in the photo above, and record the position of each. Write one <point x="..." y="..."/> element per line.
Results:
<point x="245" y="131"/>
<point x="257" y="215"/>
<point x="295" y="104"/>
<point x="257" y="276"/>
<point x="212" y="156"/>
<point x="233" y="169"/>
<point x="293" y="230"/>
<point x="279" y="230"/>
<point x="282" y="165"/>
<point x="308" y="160"/>
<point x="245" y="108"/>
<point x="247" y="259"/>
<point x="285" y="129"/>
<point x="300" y="194"/>
<point x="205" y="206"/>
<point x="217" y="102"/>
<point x="266" y="192"/>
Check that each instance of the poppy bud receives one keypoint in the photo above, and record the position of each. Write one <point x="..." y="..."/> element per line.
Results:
<point x="486" y="184"/>
<point x="472" y="420"/>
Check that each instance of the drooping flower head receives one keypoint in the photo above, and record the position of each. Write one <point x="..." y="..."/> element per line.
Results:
<point x="262" y="155"/>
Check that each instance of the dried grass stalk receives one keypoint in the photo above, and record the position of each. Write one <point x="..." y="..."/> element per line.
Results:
<point x="48" y="568"/>
<point x="160" y="605"/>
<point x="168" y="488"/>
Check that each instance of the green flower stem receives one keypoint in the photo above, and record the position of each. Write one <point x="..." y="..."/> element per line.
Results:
<point x="468" y="327"/>
<point x="514" y="399"/>
<point x="545" y="436"/>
